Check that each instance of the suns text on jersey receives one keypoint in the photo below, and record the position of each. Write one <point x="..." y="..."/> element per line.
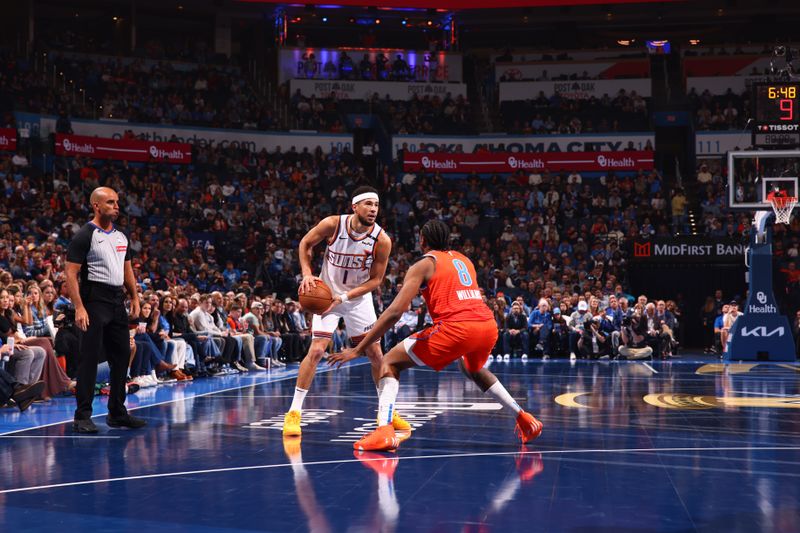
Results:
<point x="350" y="261"/>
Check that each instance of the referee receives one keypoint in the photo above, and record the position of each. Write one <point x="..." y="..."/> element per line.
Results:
<point x="99" y="255"/>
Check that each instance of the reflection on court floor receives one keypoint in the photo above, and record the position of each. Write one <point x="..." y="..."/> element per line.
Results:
<point x="680" y="446"/>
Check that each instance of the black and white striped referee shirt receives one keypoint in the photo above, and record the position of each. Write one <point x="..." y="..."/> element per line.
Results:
<point x="101" y="254"/>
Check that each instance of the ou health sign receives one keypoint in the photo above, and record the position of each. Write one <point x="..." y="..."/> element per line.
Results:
<point x="506" y="162"/>
<point x="8" y="139"/>
<point x="123" y="149"/>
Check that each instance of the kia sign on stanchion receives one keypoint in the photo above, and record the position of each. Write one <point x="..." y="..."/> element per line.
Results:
<point x="529" y="162"/>
<point x="8" y="139"/>
<point x="123" y="149"/>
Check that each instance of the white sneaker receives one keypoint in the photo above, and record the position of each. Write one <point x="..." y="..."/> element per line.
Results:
<point x="572" y="356"/>
<point x="277" y="363"/>
<point x="506" y="358"/>
<point x="524" y="357"/>
<point x="256" y="367"/>
<point x="490" y="359"/>
<point x="545" y="357"/>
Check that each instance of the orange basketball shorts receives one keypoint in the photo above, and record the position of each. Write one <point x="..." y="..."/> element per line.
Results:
<point x="445" y="342"/>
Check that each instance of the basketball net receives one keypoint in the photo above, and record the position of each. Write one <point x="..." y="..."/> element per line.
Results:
<point x="782" y="205"/>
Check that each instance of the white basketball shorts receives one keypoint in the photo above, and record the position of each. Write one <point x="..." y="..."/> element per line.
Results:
<point x="359" y="317"/>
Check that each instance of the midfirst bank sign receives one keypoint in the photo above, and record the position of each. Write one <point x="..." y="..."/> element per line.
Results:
<point x="688" y="250"/>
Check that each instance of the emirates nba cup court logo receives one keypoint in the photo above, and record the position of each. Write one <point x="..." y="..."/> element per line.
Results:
<point x="641" y="250"/>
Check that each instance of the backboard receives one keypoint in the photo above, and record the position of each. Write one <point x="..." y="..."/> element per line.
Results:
<point x="752" y="174"/>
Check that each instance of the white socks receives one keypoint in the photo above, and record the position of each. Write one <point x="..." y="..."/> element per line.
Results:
<point x="501" y="394"/>
<point x="389" y="388"/>
<point x="297" y="401"/>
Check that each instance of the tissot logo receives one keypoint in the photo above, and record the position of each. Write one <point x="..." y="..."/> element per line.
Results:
<point x="641" y="250"/>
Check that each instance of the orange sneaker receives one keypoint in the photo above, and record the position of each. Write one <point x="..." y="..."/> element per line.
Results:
<point x="528" y="428"/>
<point x="380" y="464"/>
<point x="529" y="465"/>
<point x="381" y="440"/>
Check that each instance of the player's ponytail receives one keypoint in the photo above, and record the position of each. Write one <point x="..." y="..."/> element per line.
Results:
<point x="437" y="235"/>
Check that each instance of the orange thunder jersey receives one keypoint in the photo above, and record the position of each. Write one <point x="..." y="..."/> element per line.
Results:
<point x="452" y="293"/>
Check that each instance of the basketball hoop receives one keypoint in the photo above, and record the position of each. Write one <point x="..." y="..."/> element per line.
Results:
<point x="782" y="205"/>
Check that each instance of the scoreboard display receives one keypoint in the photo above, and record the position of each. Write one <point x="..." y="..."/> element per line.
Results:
<point x="776" y="113"/>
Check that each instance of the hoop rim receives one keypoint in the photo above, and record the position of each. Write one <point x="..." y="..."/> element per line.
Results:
<point x="781" y="201"/>
<point x="783" y="207"/>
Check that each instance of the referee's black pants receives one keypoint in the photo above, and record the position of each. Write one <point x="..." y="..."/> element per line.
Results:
<point x="107" y="332"/>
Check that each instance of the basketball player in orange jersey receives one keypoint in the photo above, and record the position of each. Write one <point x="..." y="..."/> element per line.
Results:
<point x="353" y="266"/>
<point x="463" y="329"/>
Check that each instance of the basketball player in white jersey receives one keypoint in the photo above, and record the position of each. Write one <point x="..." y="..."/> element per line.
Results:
<point x="353" y="266"/>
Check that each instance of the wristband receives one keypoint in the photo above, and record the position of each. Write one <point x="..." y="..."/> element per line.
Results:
<point x="343" y="297"/>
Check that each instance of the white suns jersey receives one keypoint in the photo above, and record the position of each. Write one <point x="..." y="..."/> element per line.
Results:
<point x="348" y="258"/>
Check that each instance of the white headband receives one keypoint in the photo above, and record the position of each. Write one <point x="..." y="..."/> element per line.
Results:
<point x="365" y="196"/>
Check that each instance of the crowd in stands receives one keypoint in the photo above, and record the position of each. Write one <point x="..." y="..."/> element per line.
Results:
<point x="729" y="111"/>
<point x="221" y="236"/>
<point x="180" y="47"/>
<point x="215" y="242"/>
<point x="625" y="111"/>
<point x="135" y="90"/>
<point x="418" y="115"/>
<point x="157" y="92"/>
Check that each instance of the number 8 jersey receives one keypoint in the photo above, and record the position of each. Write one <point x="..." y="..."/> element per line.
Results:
<point x="452" y="294"/>
<point x="348" y="257"/>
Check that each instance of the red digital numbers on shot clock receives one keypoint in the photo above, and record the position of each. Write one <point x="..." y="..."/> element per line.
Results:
<point x="777" y="103"/>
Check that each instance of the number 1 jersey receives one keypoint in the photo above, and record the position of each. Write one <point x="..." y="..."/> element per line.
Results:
<point x="348" y="258"/>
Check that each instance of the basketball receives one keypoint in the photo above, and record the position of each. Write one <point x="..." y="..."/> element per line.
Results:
<point x="317" y="299"/>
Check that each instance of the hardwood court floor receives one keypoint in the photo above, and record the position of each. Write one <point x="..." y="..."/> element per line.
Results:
<point x="688" y="445"/>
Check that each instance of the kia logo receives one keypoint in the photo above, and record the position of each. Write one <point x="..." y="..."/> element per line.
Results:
<point x="602" y="161"/>
<point x="761" y="297"/>
<point x="426" y="162"/>
<point x="512" y="162"/>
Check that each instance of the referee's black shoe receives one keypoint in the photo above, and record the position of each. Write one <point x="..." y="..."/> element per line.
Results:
<point x="84" y="425"/>
<point x="125" y="421"/>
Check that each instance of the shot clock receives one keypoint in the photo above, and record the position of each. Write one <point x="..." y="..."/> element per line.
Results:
<point x="776" y="113"/>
